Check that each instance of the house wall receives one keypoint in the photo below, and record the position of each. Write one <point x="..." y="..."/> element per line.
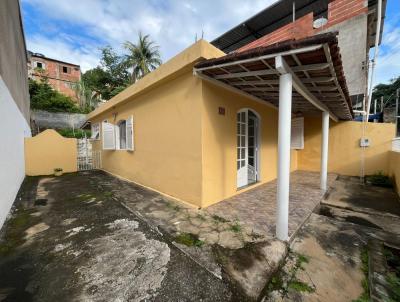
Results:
<point x="219" y="142"/>
<point x="167" y="138"/>
<point x="53" y="71"/>
<point x="14" y="104"/>
<point x="48" y="151"/>
<point x="394" y="168"/>
<point x="344" y="151"/>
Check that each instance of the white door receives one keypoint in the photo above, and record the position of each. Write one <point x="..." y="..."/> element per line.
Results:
<point x="242" y="170"/>
<point x="247" y="147"/>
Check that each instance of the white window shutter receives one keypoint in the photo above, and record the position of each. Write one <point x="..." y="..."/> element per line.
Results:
<point x="297" y="133"/>
<point x="108" y="136"/>
<point x="129" y="134"/>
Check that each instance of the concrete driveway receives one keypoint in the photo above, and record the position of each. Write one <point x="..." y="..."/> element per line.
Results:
<point x="68" y="239"/>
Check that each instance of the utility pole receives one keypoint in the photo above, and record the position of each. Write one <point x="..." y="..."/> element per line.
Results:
<point x="375" y="106"/>
<point x="382" y="103"/>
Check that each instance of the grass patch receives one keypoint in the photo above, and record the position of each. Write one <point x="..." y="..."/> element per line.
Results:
<point x="14" y="230"/>
<point x="379" y="179"/>
<point x="393" y="277"/>
<point x="108" y="194"/>
<point x="236" y="228"/>
<point x="365" y="268"/>
<point x="276" y="283"/>
<point x="300" y="286"/>
<point x="173" y="207"/>
<point x="219" y="219"/>
<point x="189" y="239"/>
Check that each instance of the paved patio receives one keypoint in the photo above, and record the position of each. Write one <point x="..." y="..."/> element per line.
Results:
<point x="256" y="208"/>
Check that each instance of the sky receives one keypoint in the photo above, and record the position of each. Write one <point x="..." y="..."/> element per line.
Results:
<point x="74" y="30"/>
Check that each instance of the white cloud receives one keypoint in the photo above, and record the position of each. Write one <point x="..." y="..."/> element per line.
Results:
<point x="171" y="24"/>
<point x="388" y="62"/>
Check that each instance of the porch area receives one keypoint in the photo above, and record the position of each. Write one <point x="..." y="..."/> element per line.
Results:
<point x="256" y="208"/>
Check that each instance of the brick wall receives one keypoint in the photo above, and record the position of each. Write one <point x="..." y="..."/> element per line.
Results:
<point x="59" y="80"/>
<point x="338" y="11"/>
<point x="301" y="28"/>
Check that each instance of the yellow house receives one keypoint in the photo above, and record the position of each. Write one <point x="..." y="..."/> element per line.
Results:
<point x="205" y="126"/>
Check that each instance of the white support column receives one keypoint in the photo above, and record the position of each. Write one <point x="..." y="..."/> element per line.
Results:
<point x="284" y="126"/>
<point x="324" y="150"/>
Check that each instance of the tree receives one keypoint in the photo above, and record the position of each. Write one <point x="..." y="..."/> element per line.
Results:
<point x="388" y="91"/>
<point x="44" y="97"/>
<point x="143" y="57"/>
<point x="110" y="77"/>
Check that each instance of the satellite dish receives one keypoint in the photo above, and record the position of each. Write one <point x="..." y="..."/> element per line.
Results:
<point x="320" y="22"/>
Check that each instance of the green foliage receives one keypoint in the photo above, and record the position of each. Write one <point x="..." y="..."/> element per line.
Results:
<point x="386" y="90"/>
<point x="219" y="219"/>
<point x="111" y="77"/>
<point x="116" y="72"/>
<point x="300" y="286"/>
<point x="236" y="227"/>
<point x="365" y="268"/>
<point x="189" y="239"/>
<point x="74" y="133"/>
<point x="380" y="179"/>
<point x="44" y="97"/>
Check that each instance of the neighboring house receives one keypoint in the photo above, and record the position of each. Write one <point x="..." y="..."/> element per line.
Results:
<point x="62" y="76"/>
<point x="14" y="104"/>
<point x="205" y="126"/>
<point x="355" y="21"/>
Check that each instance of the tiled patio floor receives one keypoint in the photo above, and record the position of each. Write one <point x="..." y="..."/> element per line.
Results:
<point x="256" y="208"/>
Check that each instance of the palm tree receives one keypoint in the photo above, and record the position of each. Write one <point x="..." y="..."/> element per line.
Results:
<point x="143" y="56"/>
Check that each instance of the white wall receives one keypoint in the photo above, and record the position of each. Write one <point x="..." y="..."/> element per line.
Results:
<point x="13" y="129"/>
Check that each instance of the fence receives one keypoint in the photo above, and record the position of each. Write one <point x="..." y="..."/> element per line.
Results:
<point x="88" y="159"/>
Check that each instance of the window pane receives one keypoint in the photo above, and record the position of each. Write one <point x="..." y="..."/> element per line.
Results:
<point x="243" y="128"/>
<point x="243" y="140"/>
<point x="243" y="152"/>
<point x="238" y="165"/>
<point x="243" y="117"/>
<point x="238" y="128"/>
<point x="238" y="153"/>
<point x="242" y="163"/>
<point x="251" y="141"/>
<point x="251" y="161"/>
<point x="238" y="117"/>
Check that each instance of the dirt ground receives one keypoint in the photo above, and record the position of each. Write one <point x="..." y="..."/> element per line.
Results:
<point x="70" y="240"/>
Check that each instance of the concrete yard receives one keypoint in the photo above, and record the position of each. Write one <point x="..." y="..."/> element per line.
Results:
<point x="69" y="240"/>
<point x="90" y="236"/>
<point x="328" y="255"/>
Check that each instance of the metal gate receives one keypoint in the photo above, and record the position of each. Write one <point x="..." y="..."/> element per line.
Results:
<point x="88" y="159"/>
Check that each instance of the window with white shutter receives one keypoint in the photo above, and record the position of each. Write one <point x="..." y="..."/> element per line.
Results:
<point x="95" y="129"/>
<point x="108" y="136"/>
<point x="297" y="133"/>
<point x="129" y="134"/>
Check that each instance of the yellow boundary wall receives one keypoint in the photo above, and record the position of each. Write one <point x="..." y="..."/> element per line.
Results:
<point x="48" y="151"/>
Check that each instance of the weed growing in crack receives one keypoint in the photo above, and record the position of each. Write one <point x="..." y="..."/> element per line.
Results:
<point x="189" y="239"/>
<point x="219" y="219"/>
<point x="236" y="227"/>
<point x="173" y="207"/>
<point x="285" y="281"/>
